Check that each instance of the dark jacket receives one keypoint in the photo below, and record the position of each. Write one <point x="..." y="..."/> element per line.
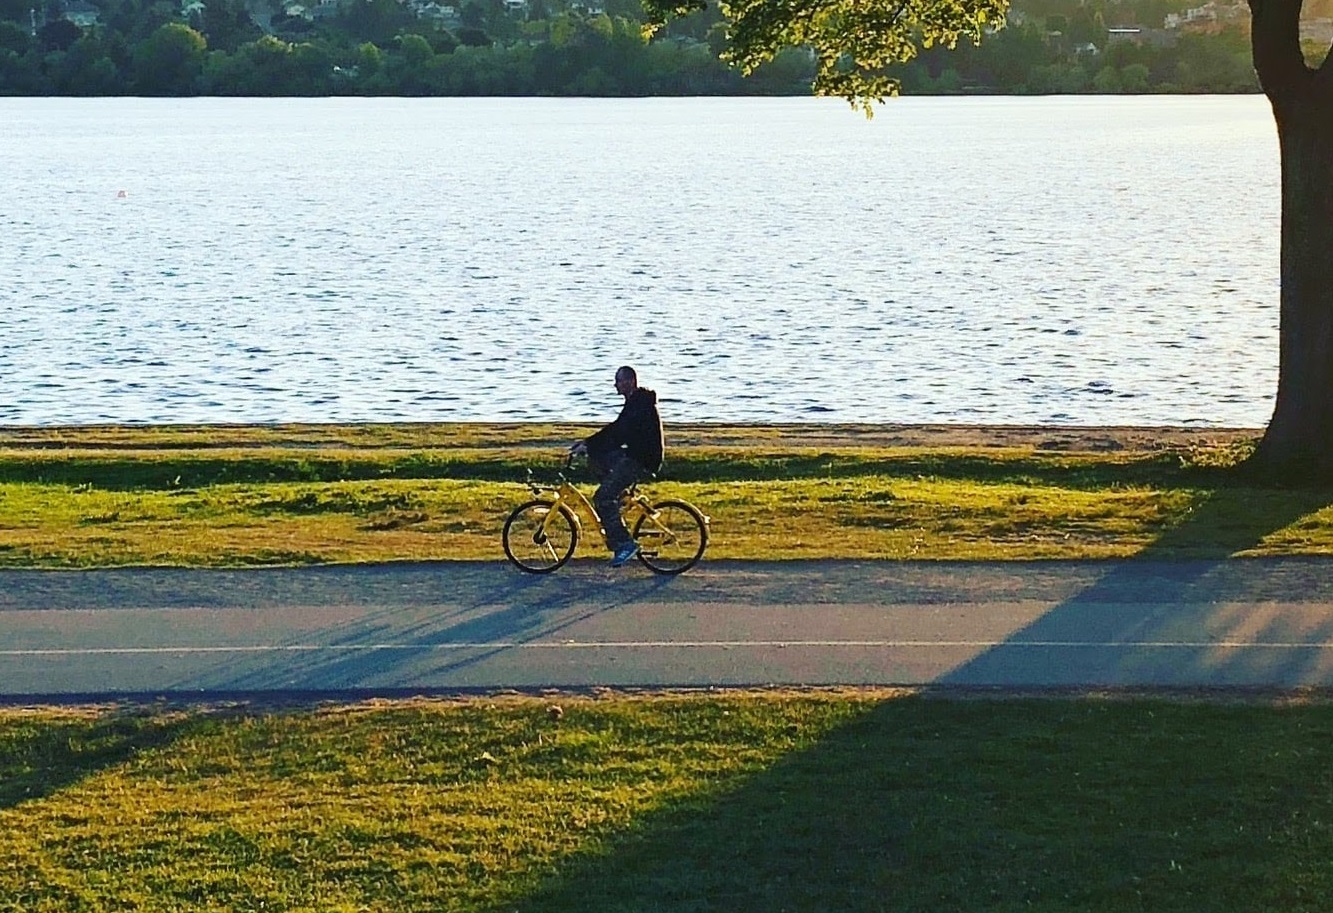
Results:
<point x="638" y="429"/>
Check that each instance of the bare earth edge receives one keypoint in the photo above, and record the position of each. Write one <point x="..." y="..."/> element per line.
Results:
<point x="480" y="434"/>
<point x="1043" y="437"/>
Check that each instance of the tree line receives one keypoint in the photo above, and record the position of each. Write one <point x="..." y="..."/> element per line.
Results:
<point x="384" y="47"/>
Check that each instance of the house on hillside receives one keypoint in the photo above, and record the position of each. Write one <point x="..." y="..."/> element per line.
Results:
<point x="1158" y="38"/>
<point x="1210" y="18"/>
<point x="324" y="9"/>
<point x="446" y="16"/>
<point x="82" y="13"/>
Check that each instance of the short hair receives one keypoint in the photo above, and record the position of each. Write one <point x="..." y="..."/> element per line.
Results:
<point x="628" y="372"/>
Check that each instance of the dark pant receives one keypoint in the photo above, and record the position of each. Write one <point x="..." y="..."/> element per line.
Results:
<point x="617" y="473"/>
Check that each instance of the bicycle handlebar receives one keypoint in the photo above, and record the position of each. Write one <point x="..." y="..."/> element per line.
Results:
<point x="568" y="465"/>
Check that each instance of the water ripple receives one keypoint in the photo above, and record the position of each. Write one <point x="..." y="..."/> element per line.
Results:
<point x="1054" y="260"/>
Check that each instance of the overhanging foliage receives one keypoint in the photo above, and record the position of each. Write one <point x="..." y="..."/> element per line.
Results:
<point x="853" y="41"/>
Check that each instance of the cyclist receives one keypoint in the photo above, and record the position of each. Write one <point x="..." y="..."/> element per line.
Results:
<point x="624" y="452"/>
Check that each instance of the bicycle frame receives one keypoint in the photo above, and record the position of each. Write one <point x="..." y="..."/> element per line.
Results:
<point x="542" y="534"/>
<point x="568" y="494"/>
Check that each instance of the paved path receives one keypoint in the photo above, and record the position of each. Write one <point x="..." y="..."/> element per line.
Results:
<point x="436" y="627"/>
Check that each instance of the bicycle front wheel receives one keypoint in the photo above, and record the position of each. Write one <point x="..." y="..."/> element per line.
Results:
<point x="672" y="538"/>
<point x="539" y="537"/>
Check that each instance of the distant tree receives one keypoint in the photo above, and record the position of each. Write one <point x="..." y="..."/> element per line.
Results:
<point x="1134" y="79"/>
<point x="473" y="38"/>
<point x="58" y="35"/>
<point x="1107" y="80"/>
<point x="473" y="15"/>
<point x="409" y="68"/>
<point x="376" y="21"/>
<point x="441" y="41"/>
<point x="1214" y="64"/>
<point x="1084" y="28"/>
<point x="88" y="69"/>
<point x="138" y="19"/>
<point x="13" y="37"/>
<point x="370" y="59"/>
<point x="226" y="24"/>
<point x="789" y="73"/>
<point x="15" y="11"/>
<point x="312" y="65"/>
<point x="416" y="51"/>
<point x="170" y="61"/>
<point x="22" y="74"/>
<point x="271" y="70"/>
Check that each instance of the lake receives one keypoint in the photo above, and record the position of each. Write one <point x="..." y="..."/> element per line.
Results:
<point x="1061" y="260"/>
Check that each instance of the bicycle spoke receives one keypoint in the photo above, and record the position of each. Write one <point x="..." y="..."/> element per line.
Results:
<point x="539" y="537"/>
<point x="672" y="537"/>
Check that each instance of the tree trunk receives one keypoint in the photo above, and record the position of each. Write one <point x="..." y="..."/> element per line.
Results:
<point x="1298" y="443"/>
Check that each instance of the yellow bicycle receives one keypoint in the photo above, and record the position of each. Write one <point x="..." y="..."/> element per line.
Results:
<point x="540" y="535"/>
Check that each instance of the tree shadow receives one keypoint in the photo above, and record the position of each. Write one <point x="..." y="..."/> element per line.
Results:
<point x="923" y="804"/>
<point x="1183" y="608"/>
<point x="42" y="757"/>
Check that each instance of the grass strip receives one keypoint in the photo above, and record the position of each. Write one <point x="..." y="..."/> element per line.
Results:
<point x="748" y="802"/>
<point x="310" y="495"/>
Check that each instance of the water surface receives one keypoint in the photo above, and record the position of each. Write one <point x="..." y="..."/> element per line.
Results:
<point x="1085" y="260"/>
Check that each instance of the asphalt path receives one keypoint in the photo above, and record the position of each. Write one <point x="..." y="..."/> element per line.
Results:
<point x="396" y="629"/>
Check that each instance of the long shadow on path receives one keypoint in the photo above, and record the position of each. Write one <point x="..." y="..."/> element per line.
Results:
<point x="1158" y="619"/>
<point x="502" y="609"/>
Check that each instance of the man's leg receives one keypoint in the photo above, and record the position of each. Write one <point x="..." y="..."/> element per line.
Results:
<point x="623" y="473"/>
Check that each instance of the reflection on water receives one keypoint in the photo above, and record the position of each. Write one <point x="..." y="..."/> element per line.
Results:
<point x="1052" y="260"/>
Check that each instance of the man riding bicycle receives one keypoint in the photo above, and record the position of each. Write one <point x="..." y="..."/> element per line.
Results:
<point x="624" y="452"/>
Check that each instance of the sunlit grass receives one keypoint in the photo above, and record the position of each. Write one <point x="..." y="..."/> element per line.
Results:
<point x="753" y="802"/>
<point x="249" y="496"/>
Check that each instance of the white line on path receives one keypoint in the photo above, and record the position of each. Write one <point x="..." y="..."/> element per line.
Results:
<point x="678" y="644"/>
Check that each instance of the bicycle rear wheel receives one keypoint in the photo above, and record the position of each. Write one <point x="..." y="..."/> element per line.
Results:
<point x="672" y="538"/>
<point x="537" y="540"/>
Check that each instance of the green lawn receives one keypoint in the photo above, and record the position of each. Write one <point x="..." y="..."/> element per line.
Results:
<point x="766" y="802"/>
<point x="255" y="496"/>
<point x="749" y="802"/>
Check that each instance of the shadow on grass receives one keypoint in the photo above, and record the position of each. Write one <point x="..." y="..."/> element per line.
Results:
<point x="922" y="804"/>
<point x="40" y="758"/>
<point x="1166" y="468"/>
<point x="185" y="472"/>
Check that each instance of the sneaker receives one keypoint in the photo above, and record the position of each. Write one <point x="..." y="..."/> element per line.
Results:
<point x="624" y="554"/>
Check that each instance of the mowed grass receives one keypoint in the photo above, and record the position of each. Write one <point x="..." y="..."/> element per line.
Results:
<point x="748" y="802"/>
<point x="307" y="495"/>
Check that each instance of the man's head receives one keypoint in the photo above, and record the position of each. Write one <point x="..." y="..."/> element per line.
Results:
<point x="626" y="381"/>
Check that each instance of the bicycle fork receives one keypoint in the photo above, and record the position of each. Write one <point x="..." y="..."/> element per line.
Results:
<point x="540" y="536"/>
